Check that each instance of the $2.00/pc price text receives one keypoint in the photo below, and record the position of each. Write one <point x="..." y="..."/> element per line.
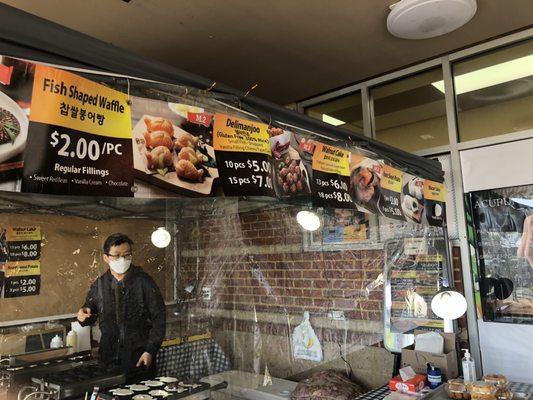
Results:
<point x="82" y="148"/>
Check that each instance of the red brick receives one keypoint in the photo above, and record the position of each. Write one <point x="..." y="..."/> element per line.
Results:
<point x="323" y="303"/>
<point x="344" y="304"/>
<point x="312" y="274"/>
<point x="312" y="293"/>
<point x="319" y="283"/>
<point x="353" y="275"/>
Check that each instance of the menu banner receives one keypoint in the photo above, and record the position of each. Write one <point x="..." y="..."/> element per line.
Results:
<point x="391" y="189"/>
<point x="21" y="268"/>
<point x="331" y="176"/>
<point x="73" y="135"/>
<point x="244" y="158"/>
<point x="79" y="139"/>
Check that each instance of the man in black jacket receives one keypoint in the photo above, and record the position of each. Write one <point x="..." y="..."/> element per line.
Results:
<point x="130" y="311"/>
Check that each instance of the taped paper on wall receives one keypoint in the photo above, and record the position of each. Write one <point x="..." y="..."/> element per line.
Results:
<point x="306" y="345"/>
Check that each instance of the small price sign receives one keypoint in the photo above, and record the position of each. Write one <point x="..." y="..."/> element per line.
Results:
<point x="22" y="278"/>
<point x="244" y="157"/>
<point x="332" y="190"/>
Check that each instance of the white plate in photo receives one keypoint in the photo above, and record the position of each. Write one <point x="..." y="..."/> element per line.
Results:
<point x="167" y="379"/>
<point x="183" y="110"/>
<point x="11" y="149"/>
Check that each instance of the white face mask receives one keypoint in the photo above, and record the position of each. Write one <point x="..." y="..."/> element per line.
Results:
<point x="120" y="266"/>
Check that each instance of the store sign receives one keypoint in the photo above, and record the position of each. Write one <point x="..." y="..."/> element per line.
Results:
<point x="243" y="156"/>
<point x="79" y="139"/>
<point x="391" y="188"/>
<point x="331" y="176"/>
<point x="88" y="137"/>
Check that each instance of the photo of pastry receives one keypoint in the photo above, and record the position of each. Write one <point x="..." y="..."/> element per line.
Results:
<point x="412" y="199"/>
<point x="291" y="175"/>
<point x="365" y="176"/>
<point x="172" y="152"/>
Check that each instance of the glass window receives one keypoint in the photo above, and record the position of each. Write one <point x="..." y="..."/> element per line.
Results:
<point x="494" y="92"/>
<point x="345" y="112"/>
<point x="410" y="113"/>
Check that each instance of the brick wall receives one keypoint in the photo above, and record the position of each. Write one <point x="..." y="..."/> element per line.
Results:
<point x="262" y="281"/>
<point x="255" y="261"/>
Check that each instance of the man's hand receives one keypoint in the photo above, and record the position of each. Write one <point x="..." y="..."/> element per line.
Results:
<point x="146" y="359"/>
<point x="84" y="313"/>
<point x="525" y="249"/>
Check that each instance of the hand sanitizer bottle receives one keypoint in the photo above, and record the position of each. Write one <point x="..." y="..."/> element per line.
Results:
<point x="469" y="367"/>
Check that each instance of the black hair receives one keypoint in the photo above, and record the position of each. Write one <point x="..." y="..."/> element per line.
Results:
<point x="116" y="239"/>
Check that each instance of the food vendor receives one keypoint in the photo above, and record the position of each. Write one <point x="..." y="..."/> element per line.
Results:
<point x="130" y="310"/>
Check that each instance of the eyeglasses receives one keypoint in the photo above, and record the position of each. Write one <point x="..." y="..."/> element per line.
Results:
<point x="127" y="256"/>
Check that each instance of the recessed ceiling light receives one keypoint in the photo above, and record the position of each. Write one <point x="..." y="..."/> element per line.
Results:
<point x="490" y="76"/>
<point x="423" y="19"/>
<point x="332" y="120"/>
<point x="427" y="136"/>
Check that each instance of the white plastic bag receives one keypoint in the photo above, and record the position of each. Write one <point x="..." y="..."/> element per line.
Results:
<point x="306" y="345"/>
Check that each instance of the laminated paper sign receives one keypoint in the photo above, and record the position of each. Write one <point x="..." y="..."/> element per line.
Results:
<point x="244" y="158"/>
<point x="24" y="243"/>
<point x="21" y="268"/>
<point x="435" y="196"/>
<point x="391" y="189"/>
<point x="79" y="138"/>
<point x="331" y="176"/>
<point x="22" y="278"/>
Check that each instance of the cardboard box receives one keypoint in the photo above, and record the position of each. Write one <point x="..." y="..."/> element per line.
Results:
<point x="447" y="362"/>
<point x="413" y="385"/>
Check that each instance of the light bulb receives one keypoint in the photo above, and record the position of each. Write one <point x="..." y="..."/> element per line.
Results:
<point x="161" y="237"/>
<point x="308" y="220"/>
<point x="448" y="304"/>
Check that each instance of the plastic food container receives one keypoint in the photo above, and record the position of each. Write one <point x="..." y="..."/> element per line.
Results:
<point x="456" y="389"/>
<point x="504" y="393"/>
<point x="482" y="390"/>
<point x="498" y="380"/>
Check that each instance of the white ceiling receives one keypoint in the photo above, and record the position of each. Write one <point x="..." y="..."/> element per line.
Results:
<point x="292" y="49"/>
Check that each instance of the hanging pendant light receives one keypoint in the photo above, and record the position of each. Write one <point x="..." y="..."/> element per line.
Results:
<point x="308" y="220"/>
<point x="448" y="304"/>
<point x="161" y="237"/>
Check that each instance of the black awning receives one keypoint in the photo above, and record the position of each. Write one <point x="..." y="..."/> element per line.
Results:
<point x="26" y="36"/>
